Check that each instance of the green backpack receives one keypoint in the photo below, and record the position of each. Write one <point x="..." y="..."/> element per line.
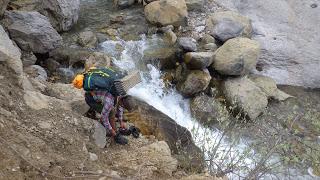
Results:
<point x="101" y="79"/>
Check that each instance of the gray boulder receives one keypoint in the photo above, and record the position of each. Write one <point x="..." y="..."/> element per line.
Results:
<point x="237" y="56"/>
<point x="9" y="53"/>
<point x="208" y="110"/>
<point x="37" y="72"/>
<point x="87" y="39"/>
<point x="269" y="87"/>
<point x="198" y="60"/>
<point x="225" y="25"/>
<point x="167" y="12"/>
<point x="61" y="13"/>
<point x="195" y="82"/>
<point x="32" y="31"/>
<point x="188" y="44"/>
<point x="288" y="36"/>
<point x="3" y="6"/>
<point x="244" y="95"/>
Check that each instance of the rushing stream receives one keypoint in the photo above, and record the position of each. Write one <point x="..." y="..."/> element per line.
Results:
<point x="152" y="90"/>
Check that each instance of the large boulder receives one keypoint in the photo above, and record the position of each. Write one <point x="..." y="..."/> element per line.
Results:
<point x="152" y="122"/>
<point x="32" y="31"/>
<point x="288" y="37"/>
<point x="225" y="25"/>
<point x="198" y="60"/>
<point x="165" y="57"/>
<point x="237" y="56"/>
<point x="269" y="87"/>
<point x="195" y="82"/>
<point x="61" y="13"/>
<point x="9" y="53"/>
<point x="167" y="12"/>
<point x="3" y="6"/>
<point x="245" y="96"/>
<point x="208" y="110"/>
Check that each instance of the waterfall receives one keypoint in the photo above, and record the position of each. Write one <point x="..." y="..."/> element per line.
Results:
<point x="152" y="90"/>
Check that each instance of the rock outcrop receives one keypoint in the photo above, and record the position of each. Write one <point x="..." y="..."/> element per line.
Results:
<point x="195" y="5"/>
<point x="9" y="53"/>
<point x="87" y="39"/>
<point x="167" y="12"/>
<point x="31" y="31"/>
<point x="3" y="6"/>
<point x="243" y="95"/>
<point x="226" y="25"/>
<point x="237" y="56"/>
<point x="62" y="14"/>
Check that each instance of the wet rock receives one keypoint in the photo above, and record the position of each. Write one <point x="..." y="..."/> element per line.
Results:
<point x="167" y="12"/>
<point x="37" y="72"/>
<point x="9" y="53"/>
<point x="62" y="14"/>
<point x="291" y="59"/>
<point x="87" y="39"/>
<point x="123" y="4"/>
<point x="188" y="44"/>
<point x="3" y="6"/>
<point x="28" y="59"/>
<point x="237" y="56"/>
<point x="225" y="25"/>
<point x="99" y="135"/>
<point x="198" y="60"/>
<point x="31" y="31"/>
<point x="269" y="87"/>
<point x="165" y="57"/>
<point x="208" y="110"/>
<point x="170" y="37"/>
<point x="245" y="96"/>
<point x="65" y="75"/>
<point x="195" y="82"/>
<point x="195" y="5"/>
<point x="152" y="122"/>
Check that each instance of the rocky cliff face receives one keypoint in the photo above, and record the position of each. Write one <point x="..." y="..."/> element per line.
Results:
<point x="289" y="39"/>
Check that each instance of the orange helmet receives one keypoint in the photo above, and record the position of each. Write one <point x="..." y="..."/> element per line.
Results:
<point x="78" y="81"/>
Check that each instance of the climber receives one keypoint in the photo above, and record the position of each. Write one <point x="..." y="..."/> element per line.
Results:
<point x="102" y="97"/>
